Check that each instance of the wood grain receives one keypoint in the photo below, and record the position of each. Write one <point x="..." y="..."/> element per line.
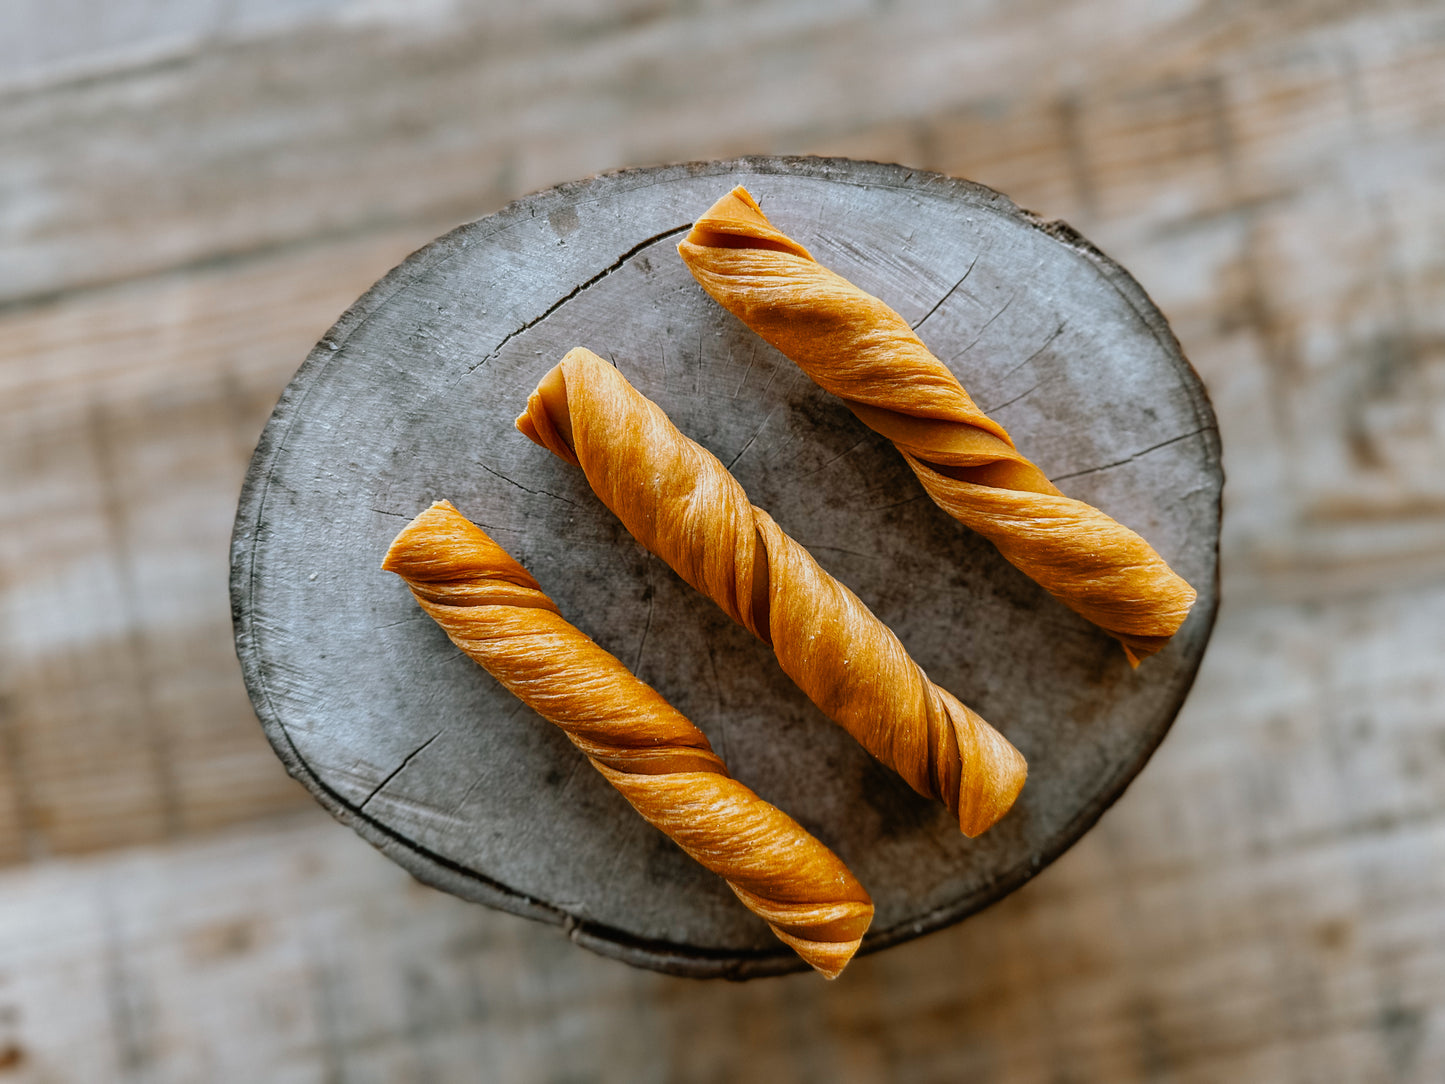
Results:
<point x="1269" y="172"/>
<point x="410" y="399"/>
<point x="1275" y="923"/>
<point x="123" y="454"/>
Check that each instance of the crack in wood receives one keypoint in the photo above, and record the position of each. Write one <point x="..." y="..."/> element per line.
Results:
<point x="417" y="618"/>
<point x="528" y="489"/>
<point x="950" y="292"/>
<point x="400" y="767"/>
<point x="756" y="433"/>
<point x="897" y="504"/>
<point x="721" y="726"/>
<point x="752" y="357"/>
<point x="1027" y="391"/>
<point x="593" y="281"/>
<point x="646" y="628"/>
<point x="1046" y="344"/>
<point x="986" y="325"/>
<point x="1137" y="455"/>
<point x="841" y="455"/>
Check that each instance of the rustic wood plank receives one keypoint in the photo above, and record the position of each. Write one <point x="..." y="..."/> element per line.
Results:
<point x="1197" y="251"/>
<point x="1217" y="183"/>
<point x="1261" y="907"/>
<point x="123" y="454"/>
<point x="1311" y="956"/>
<point x="411" y="398"/>
<point x="270" y="142"/>
<point x="1213" y="173"/>
<point x="43" y="42"/>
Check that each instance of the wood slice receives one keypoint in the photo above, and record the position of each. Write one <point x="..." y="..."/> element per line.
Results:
<point x="411" y="398"/>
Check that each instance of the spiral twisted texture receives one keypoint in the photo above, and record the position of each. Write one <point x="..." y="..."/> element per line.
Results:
<point x="853" y="345"/>
<point x="662" y="764"/>
<point x="679" y="501"/>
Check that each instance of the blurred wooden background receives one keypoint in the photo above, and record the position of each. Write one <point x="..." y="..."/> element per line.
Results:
<point x="190" y="193"/>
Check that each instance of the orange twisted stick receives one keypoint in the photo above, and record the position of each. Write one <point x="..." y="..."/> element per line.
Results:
<point x="495" y="612"/>
<point x="683" y="505"/>
<point x="858" y="348"/>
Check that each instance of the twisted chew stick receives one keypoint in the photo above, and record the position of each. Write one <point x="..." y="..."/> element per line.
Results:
<point x="858" y="348"/>
<point x="683" y="505"/>
<point x="495" y="612"/>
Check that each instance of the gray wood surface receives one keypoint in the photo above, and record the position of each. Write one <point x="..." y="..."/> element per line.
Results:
<point x="411" y="396"/>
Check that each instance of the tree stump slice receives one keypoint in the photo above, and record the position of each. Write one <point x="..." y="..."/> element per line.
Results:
<point x="411" y="398"/>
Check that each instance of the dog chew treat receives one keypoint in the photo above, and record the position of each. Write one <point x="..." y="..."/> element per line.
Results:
<point x="681" y="503"/>
<point x="495" y="612"/>
<point x="858" y="348"/>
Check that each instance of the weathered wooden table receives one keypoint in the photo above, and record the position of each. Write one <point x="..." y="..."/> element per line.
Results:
<point x="194" y="192"/>
<point x="411" y="398"/>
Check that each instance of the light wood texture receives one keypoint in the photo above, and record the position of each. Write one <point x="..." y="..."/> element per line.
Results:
<point x="1265" y="915"/>
<point x="410" y="398"/>
<point x="1263" y="902"/>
